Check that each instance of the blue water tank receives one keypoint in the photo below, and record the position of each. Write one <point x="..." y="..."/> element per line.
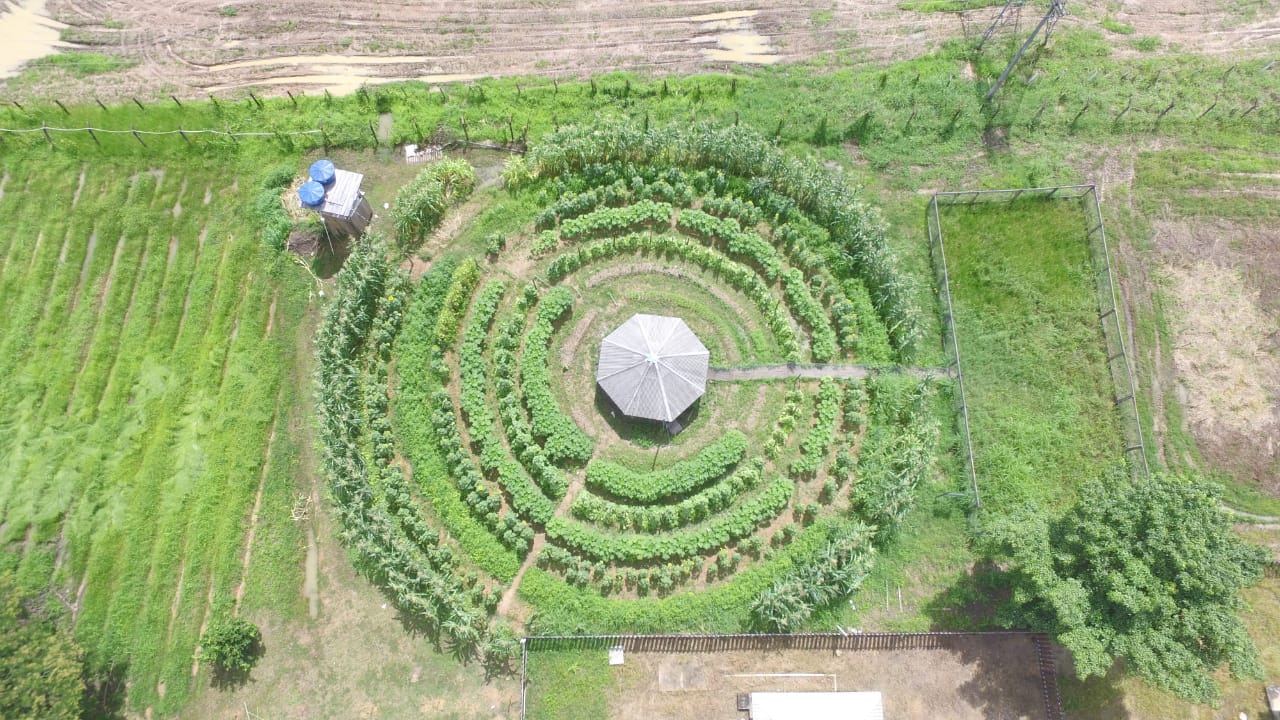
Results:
<point x="322" y="171"/>
<point x="311" y="194"/>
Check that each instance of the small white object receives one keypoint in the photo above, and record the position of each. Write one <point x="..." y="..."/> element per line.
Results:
<point x="615" y="655"/>
<point x="384" y="606"/>
<point x="386" y="206"/>
<point x="1244" y="716"/>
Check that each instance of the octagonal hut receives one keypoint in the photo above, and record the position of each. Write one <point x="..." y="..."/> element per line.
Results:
<point x="653" y="367"/>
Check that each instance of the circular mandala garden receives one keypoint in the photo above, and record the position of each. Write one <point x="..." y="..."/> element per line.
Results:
<point x="493" y="457"/>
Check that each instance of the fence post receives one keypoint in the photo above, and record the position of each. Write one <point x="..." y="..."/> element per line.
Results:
<point x="45" y="129"/>
<point x="292" y="98"/>
<point x="374" y="133"/>
<point x="18" y="105"/>
<point x="175" y="100"/>
<point x="92" y="135"/>
<point x="184" y="135"/>
<point x="136" y="136"/>
<point x="64" y="107"/>
<point x="95" y="99"/>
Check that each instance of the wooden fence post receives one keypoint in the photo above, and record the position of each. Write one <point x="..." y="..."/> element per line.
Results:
<point x="92" y="135"/>
<point x="136" y="136"/>
<point x="64" y="107"/>
<point x="95" y="99"/>
<point x="45" y="129"/>
<point x="135" y="102"/>
<point x="175" y="100"/>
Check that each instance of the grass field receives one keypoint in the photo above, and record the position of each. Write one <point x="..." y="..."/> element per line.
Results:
<point x="148" y="359"/>
<point x="154" y="397"/>
<point x="1026" y="311"/>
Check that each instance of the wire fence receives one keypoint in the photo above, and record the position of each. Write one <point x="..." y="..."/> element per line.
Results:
<point x="1119" y="364"/>
<point x="772" y="642"/>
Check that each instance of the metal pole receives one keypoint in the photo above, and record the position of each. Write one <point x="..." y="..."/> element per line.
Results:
<point x="1055" y="9"/>
<point x="524" y="663"/>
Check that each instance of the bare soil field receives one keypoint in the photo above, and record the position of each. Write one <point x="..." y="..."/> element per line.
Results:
<point x="1223" y="280"/>
<point x="959" y="678"/>
<point x="214" y="46"/>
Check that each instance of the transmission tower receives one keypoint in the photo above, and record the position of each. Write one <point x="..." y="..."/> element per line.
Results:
<point x="1010" y="14"/>
<point x="1057" y="8"/>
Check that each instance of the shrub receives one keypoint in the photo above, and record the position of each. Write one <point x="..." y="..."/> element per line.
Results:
<point x="231" y="644"/>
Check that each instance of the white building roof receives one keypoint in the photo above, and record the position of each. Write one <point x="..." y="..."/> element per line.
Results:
<point x="653" y="367"/>
<point x="817" y="706"/>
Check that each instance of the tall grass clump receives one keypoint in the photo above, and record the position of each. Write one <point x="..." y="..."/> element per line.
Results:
<point x="421" y="204"/>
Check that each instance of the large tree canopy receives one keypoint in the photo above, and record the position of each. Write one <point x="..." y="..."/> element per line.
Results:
<point x="1149" y="571"/>
<point x="39" y="666"/>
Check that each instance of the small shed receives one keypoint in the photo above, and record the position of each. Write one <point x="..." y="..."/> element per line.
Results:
<point x="342" y="205"/>
<point x="816" y="706"/>
<point x="653" y="367"/>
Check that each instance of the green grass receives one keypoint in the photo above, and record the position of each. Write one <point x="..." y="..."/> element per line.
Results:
<point x="1112" y="25"/>
<point x="946" y="5"/>
<point x="142" y="385"/>
<point x="1041" y="409"/>
<point x="568" y="684"/>
<point x="82" y="64"/>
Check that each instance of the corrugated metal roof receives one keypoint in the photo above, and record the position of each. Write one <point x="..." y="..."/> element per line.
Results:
<point x="817" y="706"/>
<point x="653" y="366"/>
<point x="342" y="197"/>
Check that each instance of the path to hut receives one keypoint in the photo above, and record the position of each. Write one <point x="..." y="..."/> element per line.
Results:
<point x="777" y="372"/>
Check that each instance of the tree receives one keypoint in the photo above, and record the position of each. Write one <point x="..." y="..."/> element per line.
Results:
<point x="1148" y="571"/>
<point x="231" y="644"/>
<point x="40" y="666"/>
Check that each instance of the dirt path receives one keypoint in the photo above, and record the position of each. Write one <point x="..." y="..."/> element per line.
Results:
<point x="508" y="601"/>
<point x="778" y="372"/>
<point x="1248" y="518"/>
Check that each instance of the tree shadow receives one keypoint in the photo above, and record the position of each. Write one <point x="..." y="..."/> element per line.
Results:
<point x="236" y="678"/>
<point x="638" y="431"/>
<point x="978" y="600"/>
<point x="104" y="692"/>
<point x="331" y="253"/>
<point x="1097" y="697"/>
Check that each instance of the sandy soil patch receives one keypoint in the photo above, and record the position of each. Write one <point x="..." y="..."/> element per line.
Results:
<point x="961" y="678"/>
<point x="1222" y="282"/>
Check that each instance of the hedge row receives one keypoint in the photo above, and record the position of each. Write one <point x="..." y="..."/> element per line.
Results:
<point x="514" y="420"/>
<point x="563" y="440"/>
<point x="816" y="443"/>
<point x="745" y="244"/>
<point x="385" y="530"/>
<point x="650" y="518"/>
<point x="607" y="221"/>
<point x="735" y="274"/>
<point x="638" y="549"/>
<point x="857" y="231"/>
<point x="671" y="483"/>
